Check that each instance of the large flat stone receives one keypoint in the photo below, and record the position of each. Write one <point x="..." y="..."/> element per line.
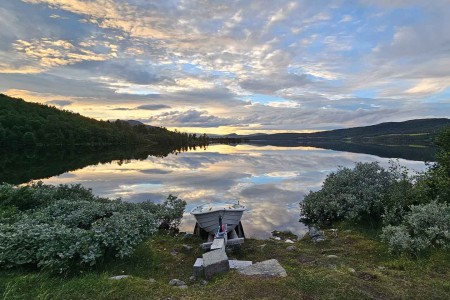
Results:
<point x="215" y="262"/>
<point x="268" y="268"/>
<point x="218" y="244"/>
<point x="237" y="264"/>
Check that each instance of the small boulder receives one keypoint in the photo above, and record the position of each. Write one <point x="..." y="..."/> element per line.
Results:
<point x="186" y="248"/>
<point x="182" y="287"/>
<point x="289" y="241"/>
<point x="176" y="282"/>
<point x="291" y="248"/>
<point x="118" y="277"/>
<point x="332" y="256"/>
<point x="315" y="234"/>
<point x="151" y="280"/>
<point x="174" y="252"/>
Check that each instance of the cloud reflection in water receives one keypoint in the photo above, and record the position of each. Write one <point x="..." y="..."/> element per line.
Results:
<point x="270" y="181"/>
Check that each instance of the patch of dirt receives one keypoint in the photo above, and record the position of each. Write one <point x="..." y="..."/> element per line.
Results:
<point x="304" y="259"/>
<point x="366" y="276"/>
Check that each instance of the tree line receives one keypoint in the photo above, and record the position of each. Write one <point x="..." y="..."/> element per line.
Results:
<point x="24" y="124"/>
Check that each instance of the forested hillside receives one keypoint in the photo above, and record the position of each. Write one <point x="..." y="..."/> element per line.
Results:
<point x="28" y="124"/>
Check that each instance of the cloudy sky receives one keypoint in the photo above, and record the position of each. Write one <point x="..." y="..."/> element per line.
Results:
<point x="231" y="66"/>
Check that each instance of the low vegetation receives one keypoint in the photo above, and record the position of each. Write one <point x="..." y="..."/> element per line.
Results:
<point x="412" y="208"/>
<point x="67" y="228"/>
<point x="347" y="265"/>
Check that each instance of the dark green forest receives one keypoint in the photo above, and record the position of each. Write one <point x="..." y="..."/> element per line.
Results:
<point x="25" y="124"/>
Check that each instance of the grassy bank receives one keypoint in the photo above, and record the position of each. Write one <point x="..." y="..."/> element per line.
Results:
<point x="363" y="269"/>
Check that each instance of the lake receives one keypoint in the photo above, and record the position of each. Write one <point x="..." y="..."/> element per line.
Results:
<point x="269" y="180"/>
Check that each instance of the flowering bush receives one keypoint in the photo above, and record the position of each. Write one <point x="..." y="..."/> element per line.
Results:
<point x="73" y="228"/>
<point x="425" y="226"/>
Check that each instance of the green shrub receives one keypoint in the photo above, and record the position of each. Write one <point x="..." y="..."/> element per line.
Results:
<point x="38" y="194"/>
<point x="70" y="228"/>
<point x="425" y="226"/>
<point x="349" y="194"/>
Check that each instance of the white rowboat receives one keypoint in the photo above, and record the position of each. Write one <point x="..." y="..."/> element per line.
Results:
<point x="208" y="215"/>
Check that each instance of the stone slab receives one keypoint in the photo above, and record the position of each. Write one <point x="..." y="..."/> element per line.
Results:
<point x="267" y="268"/>
<point x="217" y="244"/>
<point x="198" y="267"/>
<point x="215" y="262"/>
<point x="236" y="264"/>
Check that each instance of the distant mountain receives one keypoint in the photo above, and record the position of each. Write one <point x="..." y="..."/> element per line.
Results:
<point x="420" y="130"/>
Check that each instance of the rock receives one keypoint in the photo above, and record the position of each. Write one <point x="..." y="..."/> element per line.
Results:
<point x="291" y="248"/>
<point x="277" y="238"/>
<point x="204" y="282"/>
<point x="289" y="241"/>
<point x="268" y="268"/>
<point x="198" y="267"/>
<point x="381" y="268"/>
<point x="174" y="252"/>
<point x="119" y="277"/>
<point x="315" y="234"/>
<point x="236" y="264"/>
<point x="187" y="236"/>
<point x="151" y="280"/>
<point x="176" y="282"/>
<point x="351" y="270"/>
<point x="182" y="287"/>
<point x="215" y="262"/>
<point x="187" y="248"/>
<point x="192" y="278"/>
<point x="332" y="256"/>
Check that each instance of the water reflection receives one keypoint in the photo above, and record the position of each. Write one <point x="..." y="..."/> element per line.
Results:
<point x="269" y="180"/>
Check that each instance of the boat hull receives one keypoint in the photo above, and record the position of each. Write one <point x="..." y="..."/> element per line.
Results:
<point x="209" y="221"/>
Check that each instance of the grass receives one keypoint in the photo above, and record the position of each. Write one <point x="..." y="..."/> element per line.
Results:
<point x="363" y="269"/>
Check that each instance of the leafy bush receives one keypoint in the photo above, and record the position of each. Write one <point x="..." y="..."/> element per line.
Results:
<point x="425" y="226"/>
<point x="349" y="194"/>
<point x="70" y="227"/>
<point x="38" y="194"/>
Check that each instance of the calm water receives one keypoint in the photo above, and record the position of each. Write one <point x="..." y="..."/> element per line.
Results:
<point x="269" y="180"/>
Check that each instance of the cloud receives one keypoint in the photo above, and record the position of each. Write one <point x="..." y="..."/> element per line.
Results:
<point x="61" y="103"/>
<point x="190" y="118"/>
<point x="318" y="64"/>
<point x="50" y="53"/>
<point x="153" y="106"/>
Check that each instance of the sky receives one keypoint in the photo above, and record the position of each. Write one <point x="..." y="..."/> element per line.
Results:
<point x="220" y="67"/>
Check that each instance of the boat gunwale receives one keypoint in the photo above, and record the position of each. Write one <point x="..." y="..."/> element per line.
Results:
<point x="242" y="209"/>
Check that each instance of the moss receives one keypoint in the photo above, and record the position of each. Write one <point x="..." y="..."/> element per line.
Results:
<point x="363" y="269"/>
